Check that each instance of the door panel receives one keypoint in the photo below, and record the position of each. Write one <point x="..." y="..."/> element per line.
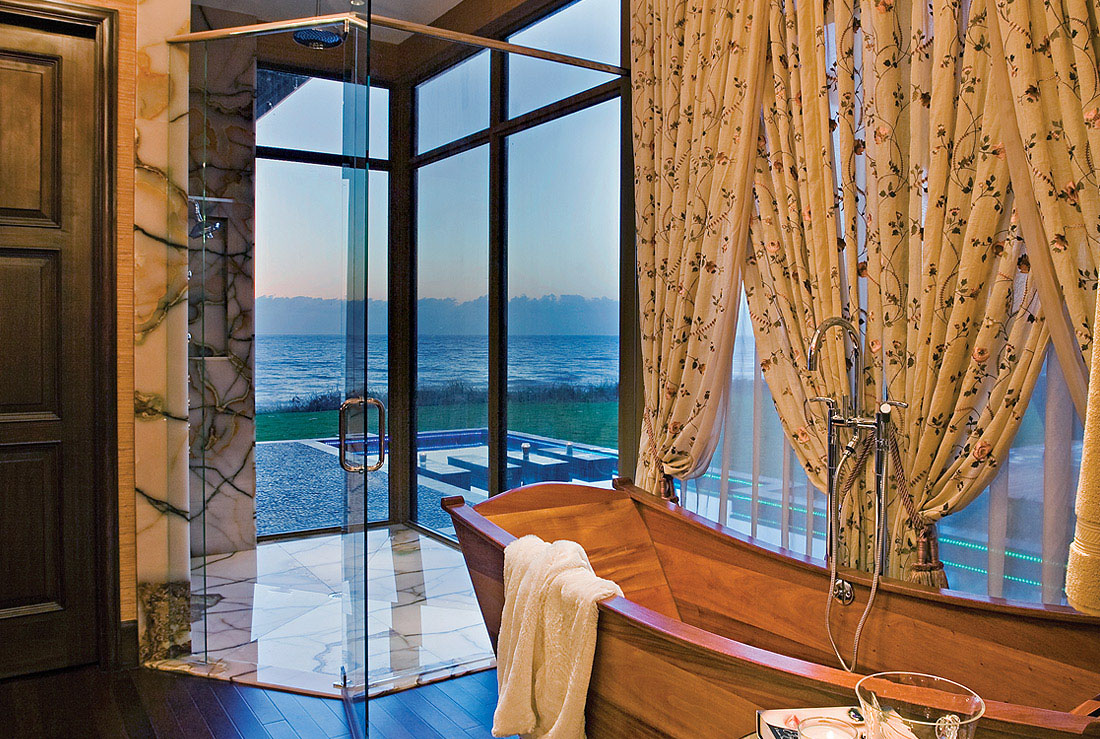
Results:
<point x="48" y="145"/>
<point x="30" y="477"/>
<point x="30" y="347"/>
<point x="30" y="186"/>
<point x="361" y="450"/>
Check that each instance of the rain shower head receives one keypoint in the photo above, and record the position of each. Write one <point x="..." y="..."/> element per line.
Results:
<point x="318" y="39"/>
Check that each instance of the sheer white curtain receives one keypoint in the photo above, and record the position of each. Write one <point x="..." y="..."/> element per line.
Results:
<point x="1012" y="542"/>
<point x="1026" y="514"/>
<point x="755" y="484"/>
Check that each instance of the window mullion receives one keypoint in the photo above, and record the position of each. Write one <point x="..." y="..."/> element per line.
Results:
<point x="498" y="276"/>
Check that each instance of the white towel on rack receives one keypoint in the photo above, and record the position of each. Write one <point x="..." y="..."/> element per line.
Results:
<point x="547" y="638"/>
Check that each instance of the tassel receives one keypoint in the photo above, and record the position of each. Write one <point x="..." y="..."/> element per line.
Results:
<point x="668" y="489"/>
<point x="927" y="569"/>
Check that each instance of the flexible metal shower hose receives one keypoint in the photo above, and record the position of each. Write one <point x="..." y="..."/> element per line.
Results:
<point x="848" y="453"/>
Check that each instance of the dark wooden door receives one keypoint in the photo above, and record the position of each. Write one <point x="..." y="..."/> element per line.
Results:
<point x="48" y="155"/>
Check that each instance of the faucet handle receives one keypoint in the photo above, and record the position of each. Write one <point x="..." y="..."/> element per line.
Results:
<point x="830" y="405"/>
<point x="896" y="404"/>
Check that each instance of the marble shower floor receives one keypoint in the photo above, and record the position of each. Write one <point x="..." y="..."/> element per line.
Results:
<point x="423" y="621"/>
<point x="272" y="616"/>
<point x="269" y="616"/>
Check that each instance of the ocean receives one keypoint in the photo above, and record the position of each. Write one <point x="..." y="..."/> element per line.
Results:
<point x="308" y="365"/>
<point x="304" y="366"/>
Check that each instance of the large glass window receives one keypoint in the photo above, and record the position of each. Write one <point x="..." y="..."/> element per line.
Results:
<point x="452" y="241"/>
<point x="755" y="484"/>
<point x="555" y="216"/>
<point x="1013" y="540"/>
<point x="589" y="29"/>
<point x="301" y="275"/>
<point x="453" y="104"/>
<point x="300" y="311"/>
<point x="378" y="134"/>
<point x="299" y="112"/>
<point x="563" y="297"/>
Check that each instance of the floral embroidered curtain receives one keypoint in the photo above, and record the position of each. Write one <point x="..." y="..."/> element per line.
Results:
<point x="883" y="195"/>
<point x="1051" y="53"/>
<point x="1051" y="77"/>
<point x="696" y="77"/>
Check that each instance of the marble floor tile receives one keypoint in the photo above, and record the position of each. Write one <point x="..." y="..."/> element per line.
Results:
<point x="265" y="617"/>
<point x="274" y="616"/>
<point x="315" y="550"/>
<point x="423" y="621"/>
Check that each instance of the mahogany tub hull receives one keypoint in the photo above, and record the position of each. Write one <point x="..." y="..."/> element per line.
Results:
<point x="713" y="627"/>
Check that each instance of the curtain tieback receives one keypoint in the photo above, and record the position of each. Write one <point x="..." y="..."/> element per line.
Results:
<point x="668" y="489"/>
<point x="926" y="569"/>
<point x="928" y="554"/>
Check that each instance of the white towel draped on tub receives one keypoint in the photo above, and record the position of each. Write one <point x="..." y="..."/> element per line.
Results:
<point x="547" y="638"/>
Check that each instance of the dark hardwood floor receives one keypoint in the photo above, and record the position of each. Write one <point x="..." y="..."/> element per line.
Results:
<point x="455" y="709"/>
<point x="85" y="703"/>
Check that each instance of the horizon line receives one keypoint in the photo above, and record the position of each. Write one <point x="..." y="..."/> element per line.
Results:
<point x="457" y="300"/>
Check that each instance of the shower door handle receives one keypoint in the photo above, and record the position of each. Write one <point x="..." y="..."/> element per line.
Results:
<point x="342" y="418"/>
<point x="381" y="433"/>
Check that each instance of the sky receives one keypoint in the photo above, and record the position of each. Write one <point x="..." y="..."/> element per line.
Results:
<point x="563" y="180"/>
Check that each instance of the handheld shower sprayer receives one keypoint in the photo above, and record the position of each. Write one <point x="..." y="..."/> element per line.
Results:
<point x="859" y="421"/>
<point x="204" y="228"/>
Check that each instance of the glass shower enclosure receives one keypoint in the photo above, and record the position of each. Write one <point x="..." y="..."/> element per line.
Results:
<point x="293" y="173"/>
<point x="284" y="429"/>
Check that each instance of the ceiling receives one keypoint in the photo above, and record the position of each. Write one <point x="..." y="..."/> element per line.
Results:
<point x="419" y="11"/>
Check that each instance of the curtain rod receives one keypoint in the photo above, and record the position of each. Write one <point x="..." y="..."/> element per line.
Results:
<point x="351" y="19"/>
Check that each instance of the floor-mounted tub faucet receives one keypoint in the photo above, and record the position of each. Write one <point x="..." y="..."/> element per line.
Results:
<point x="859" y="421"/>
<point x="836" y="419"/>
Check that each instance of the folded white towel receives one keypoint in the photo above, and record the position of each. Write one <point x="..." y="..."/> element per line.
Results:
<point x="547" y="638"/>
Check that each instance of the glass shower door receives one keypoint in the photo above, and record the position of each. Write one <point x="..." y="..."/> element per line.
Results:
<point x="361" y="442"/>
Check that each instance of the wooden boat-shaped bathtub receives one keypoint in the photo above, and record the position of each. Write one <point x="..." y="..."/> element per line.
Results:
<point x="714" y="627"/>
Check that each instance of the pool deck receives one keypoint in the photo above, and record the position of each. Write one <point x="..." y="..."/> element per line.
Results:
<point x="300" y="486"/>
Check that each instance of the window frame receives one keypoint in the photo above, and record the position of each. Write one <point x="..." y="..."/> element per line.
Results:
<point x="403" y="473"/>
<point x="310" y="156"/>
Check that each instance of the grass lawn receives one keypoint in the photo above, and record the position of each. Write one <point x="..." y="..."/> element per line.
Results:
<point x="295" y="425"/>
<point x="589" y="423"/>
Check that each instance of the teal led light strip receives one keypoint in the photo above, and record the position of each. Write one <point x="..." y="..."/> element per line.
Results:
<point x="983" y="548"/>
<point x="980" y="571"/>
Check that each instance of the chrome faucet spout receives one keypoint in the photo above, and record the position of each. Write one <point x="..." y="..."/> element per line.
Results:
<point x="815" y="347"/>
